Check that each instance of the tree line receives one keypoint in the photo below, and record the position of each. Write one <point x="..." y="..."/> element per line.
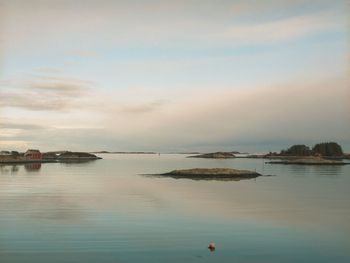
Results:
<point x="323" y="149"/>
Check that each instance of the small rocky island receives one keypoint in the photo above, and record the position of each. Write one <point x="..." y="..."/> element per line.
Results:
<point x="216" y="155"/>
<point x="69" y="156"/>
<point x="329" y="153"/>
<point x="223" y="174"/>
<point x="35" y="156"/>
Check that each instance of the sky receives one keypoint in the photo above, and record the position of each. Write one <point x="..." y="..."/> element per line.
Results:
<point x="172" y="76"/>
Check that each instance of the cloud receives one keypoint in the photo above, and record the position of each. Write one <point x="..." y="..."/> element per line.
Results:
<point x="20" y="126"/>
<point x="306" y="111"/>
<point x="37" y="103"/>
<point x="107" y="25"/>
<point x="143" y="108"/>
<point x="280" y="30"/>
<point x="48" y="70"/>
<point x="43" y="94"/>
<point x="14" y="144"/>
<point x="19" y="130"/>
<point x="60" y="86"/>
<point x="192" y="59"/>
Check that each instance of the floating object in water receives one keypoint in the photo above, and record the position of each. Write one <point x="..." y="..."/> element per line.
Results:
<point x="211" y="246"/>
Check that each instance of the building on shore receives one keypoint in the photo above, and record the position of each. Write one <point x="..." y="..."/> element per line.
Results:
<point x="32" y="154"/>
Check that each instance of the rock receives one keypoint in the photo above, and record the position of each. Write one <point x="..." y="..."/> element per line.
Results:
<point x="216" y="155"/>
<point x="212" y="174"/>
<point x="76" y="155"/>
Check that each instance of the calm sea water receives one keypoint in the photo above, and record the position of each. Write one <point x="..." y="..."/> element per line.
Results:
<point x="105" y="211"/>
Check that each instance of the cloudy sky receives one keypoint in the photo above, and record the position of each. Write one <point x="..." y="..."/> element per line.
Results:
<point x="173" y="75"/>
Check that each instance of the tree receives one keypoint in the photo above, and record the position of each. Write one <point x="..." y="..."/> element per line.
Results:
<point x="14" y="153"/>
<point x="297" y="150"/>
<point x="328" y="149"/>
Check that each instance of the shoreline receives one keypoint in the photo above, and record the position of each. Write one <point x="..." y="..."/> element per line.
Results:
<point x="49" y="161"/>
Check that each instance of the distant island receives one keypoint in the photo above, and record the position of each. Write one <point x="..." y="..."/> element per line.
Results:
<point x="108" y="152"/>
<point x="326" y="153"/>
<point x="216" y="155"/>
<point x="325" y="149"/>
<point x="35" y="156"/>
<point x="330" y="153"/>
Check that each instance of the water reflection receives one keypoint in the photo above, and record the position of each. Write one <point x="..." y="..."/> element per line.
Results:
<point x="8" y="169"/>
<point x="105" y="207"/>
<point x="15" y="168"/>
<point x="201" y="177"/>
<point x="77" y="163"/>
<point x="32" y="167"/>
<point x="333" y="171"/>
<point x="35" y="167"/>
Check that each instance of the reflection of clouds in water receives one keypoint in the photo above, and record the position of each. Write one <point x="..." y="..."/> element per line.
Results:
<point x="152" y="199"/>
<point x="283" y="202"/>
<point x="43" y="207"/>
<point x="69" y="192"/>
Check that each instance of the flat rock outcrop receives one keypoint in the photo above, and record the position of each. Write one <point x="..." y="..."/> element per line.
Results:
<point x="77" y="155"/>
<point x="212" y="174"/>
<point x="51" y="157"/>
<point x="216" y="155"/>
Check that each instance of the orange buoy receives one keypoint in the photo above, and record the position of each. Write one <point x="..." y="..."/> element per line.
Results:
<point x="211" y="246"/>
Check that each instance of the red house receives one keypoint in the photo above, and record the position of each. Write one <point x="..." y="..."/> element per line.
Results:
<point x="33" y="154"/>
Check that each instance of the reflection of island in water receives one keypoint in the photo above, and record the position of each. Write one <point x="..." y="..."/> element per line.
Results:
<point x="8" y="169"/>
<point x="78" y="163"/>
<point x="36" y="166"/>
<point x="15" y="168"/>
<point x="32" y="167"/>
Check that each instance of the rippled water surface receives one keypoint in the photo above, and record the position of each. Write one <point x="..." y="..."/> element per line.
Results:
<point x="106" y="211"/>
